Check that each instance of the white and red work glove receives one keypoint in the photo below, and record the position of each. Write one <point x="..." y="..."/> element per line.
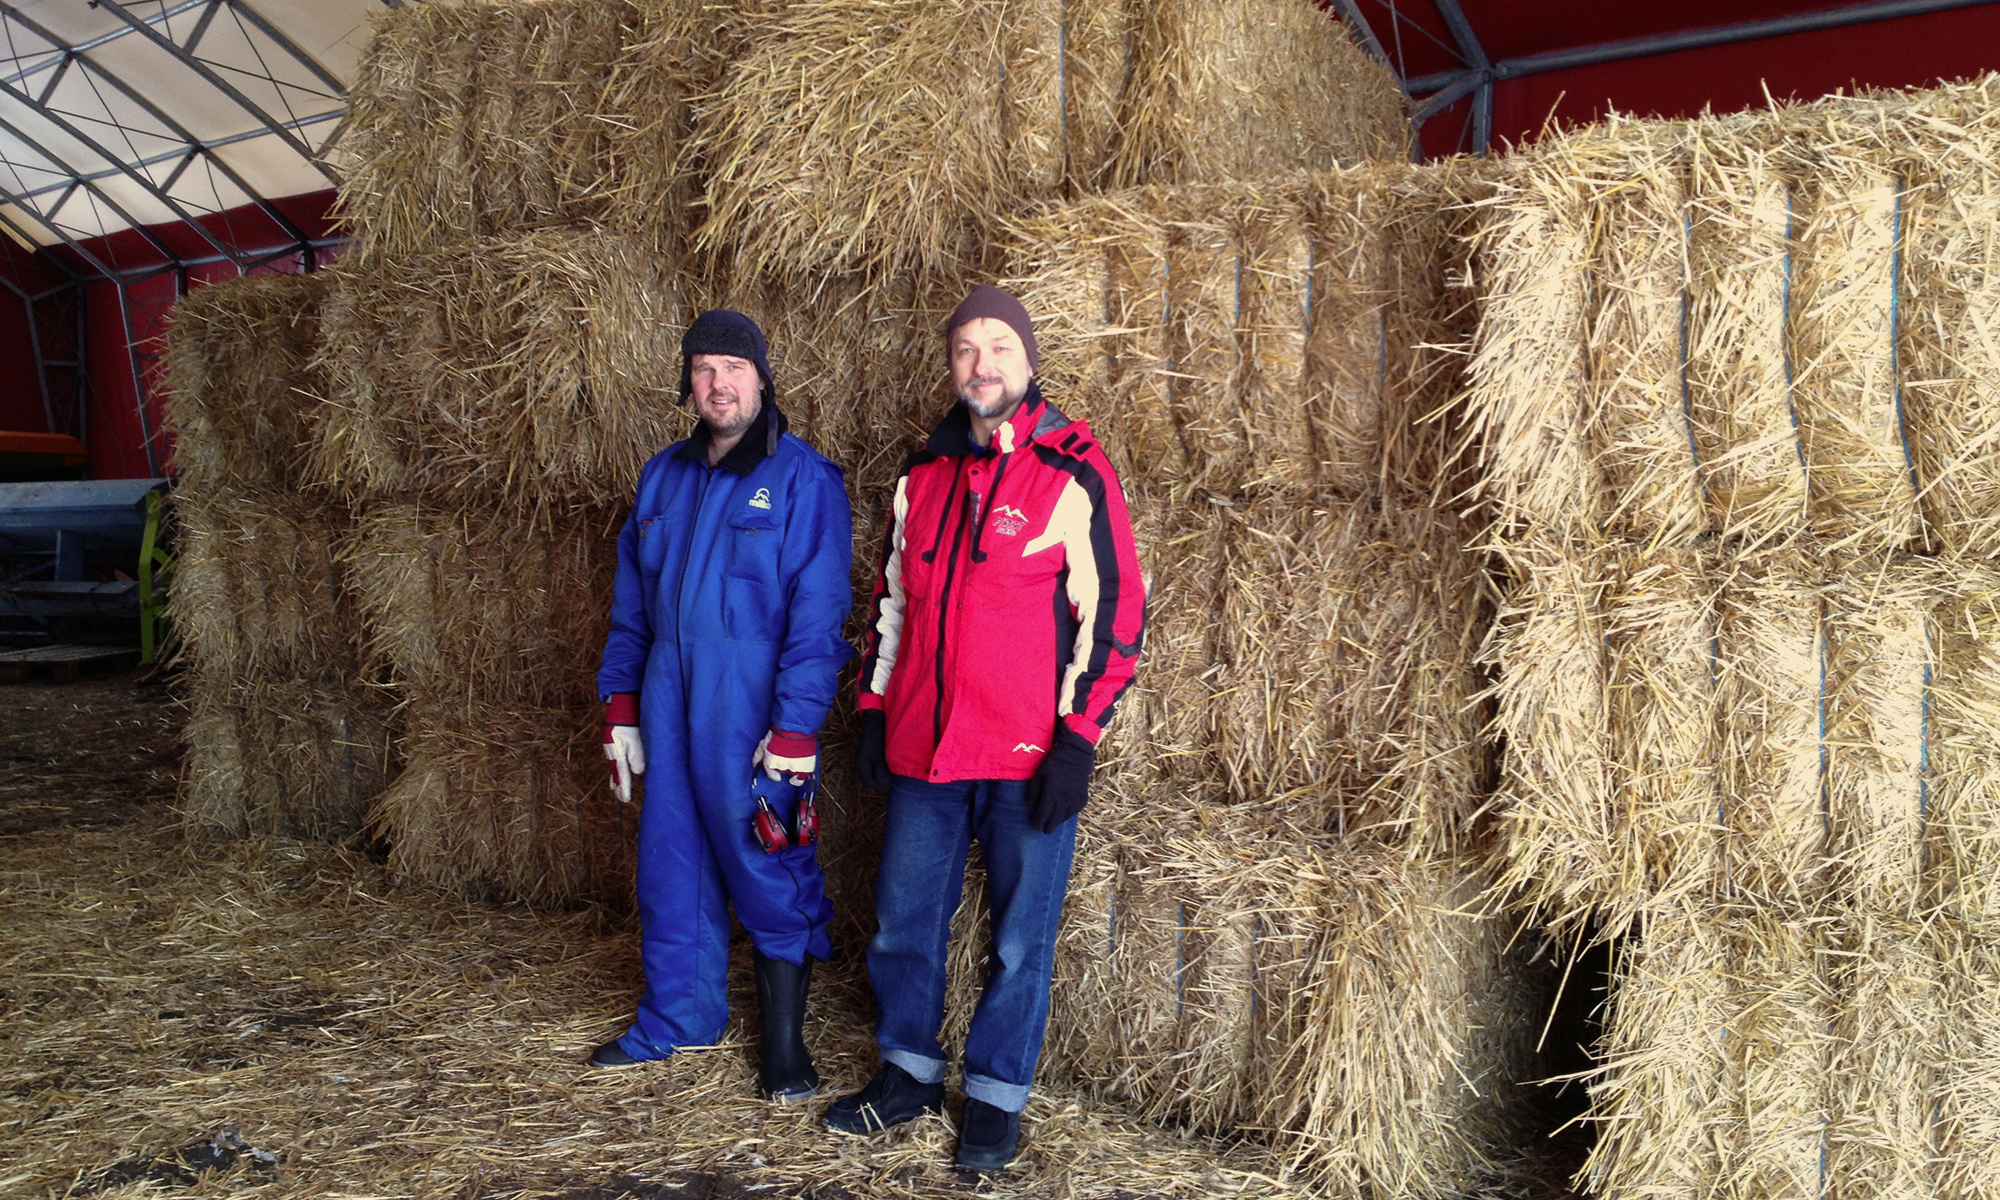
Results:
<point x="621" y="742"/>
<point x="782" y="753"/>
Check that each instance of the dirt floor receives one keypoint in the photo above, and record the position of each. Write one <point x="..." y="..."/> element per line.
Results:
<point x="285" y="1019"/>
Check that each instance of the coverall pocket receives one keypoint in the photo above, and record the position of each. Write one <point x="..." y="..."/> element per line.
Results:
<point x="753" y="607"/>
<point x="652" y="542"/>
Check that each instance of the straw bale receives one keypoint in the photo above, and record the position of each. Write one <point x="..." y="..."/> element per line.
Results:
<point x="1967" y="1065"/>
<point x="1233" y="970"/>
<point x="1947" y="327"/>
<point x="891" y="136"/>
<point x="1241" y="338"/>
<point x="1962" y="767"/>
<point x="1634" y="344"/>
<point x="1166" y="725"/>
<point x="257" y="588"/>
<point x="296" y="757"/>
<point x="1771" y="685"/>
<point x="508" y="801"/>
<point x="1185" y="116"/>
<point x="1660" y="641"/>
<point x="1739" y="371"/>
<point x="473" y="609"/>
<point x="1549" y="658"/>
<point x="1860" y="474"/>
<point x="1528" y="404"/>
<point x="484" y="119"/>
<point x="1885" y="1068"/>
<point x="1878" y="683"/>
<point x="1345" y="643"/>
<point x="1203" y="353"/>
<point x="240" y="395"/>
<point x="1781" y="1052"/>
<point x="1095" y="275"/>
<point x="525" y="371"/>
<point x="1668" y="1118"/>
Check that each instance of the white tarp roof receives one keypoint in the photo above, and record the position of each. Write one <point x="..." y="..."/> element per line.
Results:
<point x="120" y="113"/>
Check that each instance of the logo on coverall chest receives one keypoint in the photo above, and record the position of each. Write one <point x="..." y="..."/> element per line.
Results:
<point x="762" y="499"/>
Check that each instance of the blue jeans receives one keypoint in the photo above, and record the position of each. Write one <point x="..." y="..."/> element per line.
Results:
<point x="928" y="833"/>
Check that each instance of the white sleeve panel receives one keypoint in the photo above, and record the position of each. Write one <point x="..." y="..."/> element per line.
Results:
<point x="1071" y="524"/>
<point x="889" y="619"/>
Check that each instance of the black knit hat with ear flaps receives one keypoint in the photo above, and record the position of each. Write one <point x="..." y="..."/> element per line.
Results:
<point x="720" y="331"/>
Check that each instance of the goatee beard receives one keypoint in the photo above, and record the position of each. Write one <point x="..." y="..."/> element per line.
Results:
<point x="1006" y="404"/>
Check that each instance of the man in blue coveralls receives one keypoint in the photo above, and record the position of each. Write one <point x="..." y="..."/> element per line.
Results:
<point x="725" y="642"/>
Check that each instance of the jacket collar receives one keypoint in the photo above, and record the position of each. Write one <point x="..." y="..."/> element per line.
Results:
<point x="759" y="442"/>
<point x="1035" y="418"/>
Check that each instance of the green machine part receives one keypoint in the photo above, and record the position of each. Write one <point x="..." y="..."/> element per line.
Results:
<point x="156" y="570"/>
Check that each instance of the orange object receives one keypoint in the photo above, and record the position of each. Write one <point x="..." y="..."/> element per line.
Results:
<point x="72" y="451"/>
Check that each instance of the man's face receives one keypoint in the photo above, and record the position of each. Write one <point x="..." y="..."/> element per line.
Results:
<point x="989" y="367"/>
<point x="727" y="393"/>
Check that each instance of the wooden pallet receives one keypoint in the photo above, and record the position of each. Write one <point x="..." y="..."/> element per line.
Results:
<point x="64" y="664"/>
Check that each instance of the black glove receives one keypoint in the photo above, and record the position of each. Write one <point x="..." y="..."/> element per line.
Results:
<point x="871" y="757"/>
<point x="1062" y="783"/>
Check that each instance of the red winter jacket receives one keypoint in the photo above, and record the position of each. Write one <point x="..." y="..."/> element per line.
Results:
<point x="1009" y="597"/>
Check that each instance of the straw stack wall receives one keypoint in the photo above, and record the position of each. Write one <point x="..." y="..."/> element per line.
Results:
<point x="891" y="136"/>
<point x="1712" y="320"/>
<point x="286" y="734"/>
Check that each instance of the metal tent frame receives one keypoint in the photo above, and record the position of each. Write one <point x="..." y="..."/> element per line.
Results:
<point x="1475" y="75"/>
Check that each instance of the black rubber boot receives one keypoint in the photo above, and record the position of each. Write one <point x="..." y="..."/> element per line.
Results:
<point x="891" y="1098"/>
<point x="786" y="1073"/>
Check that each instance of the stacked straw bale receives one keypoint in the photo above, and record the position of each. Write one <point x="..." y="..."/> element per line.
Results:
<point x="890" y="136"/>
<point x="1235" y="969"/>
<point x="1313" y="614"/>
<point x="1725" y="405"/>
<point x="287" y="735"/>
<point x="488" y="118"/>
<point x="1303" y="744"/>
<point x="489" y="403"/>
<point x="1276" y="882"/>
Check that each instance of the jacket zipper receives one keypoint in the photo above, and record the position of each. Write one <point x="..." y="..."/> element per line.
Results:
<point x="944" y="600"/>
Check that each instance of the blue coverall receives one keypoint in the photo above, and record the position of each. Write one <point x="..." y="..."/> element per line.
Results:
<point x="726" y="619"/>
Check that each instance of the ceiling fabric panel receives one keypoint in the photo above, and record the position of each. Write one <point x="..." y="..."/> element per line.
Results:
<point x="131" y="113"/>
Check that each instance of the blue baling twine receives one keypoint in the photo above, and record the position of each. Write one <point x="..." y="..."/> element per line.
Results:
<point x="1895" y="333"/>
<point x="1785" y="341"/>
<point x="1687" y="404"/>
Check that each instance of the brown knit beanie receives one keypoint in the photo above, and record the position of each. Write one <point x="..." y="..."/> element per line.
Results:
<point x="989" y="301"/>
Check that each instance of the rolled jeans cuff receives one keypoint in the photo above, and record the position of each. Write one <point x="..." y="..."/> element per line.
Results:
<point x="921" y="1069"/>
<point x="1012" y="1097"/>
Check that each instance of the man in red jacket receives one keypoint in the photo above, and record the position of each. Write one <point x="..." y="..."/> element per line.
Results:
<point x="1005" y="625"/>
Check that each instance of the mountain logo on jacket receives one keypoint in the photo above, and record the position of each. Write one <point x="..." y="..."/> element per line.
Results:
<point x="1027" y="748"/>
<point x="1009" y="520"/>
<point x="762" y="499"/>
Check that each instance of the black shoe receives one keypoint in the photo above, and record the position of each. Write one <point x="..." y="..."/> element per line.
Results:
<point x="785" y="1069"/>
<point x="990" y="1137"/>
<point x="891" y="1098"/>
<point x="611" y="1055"/>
